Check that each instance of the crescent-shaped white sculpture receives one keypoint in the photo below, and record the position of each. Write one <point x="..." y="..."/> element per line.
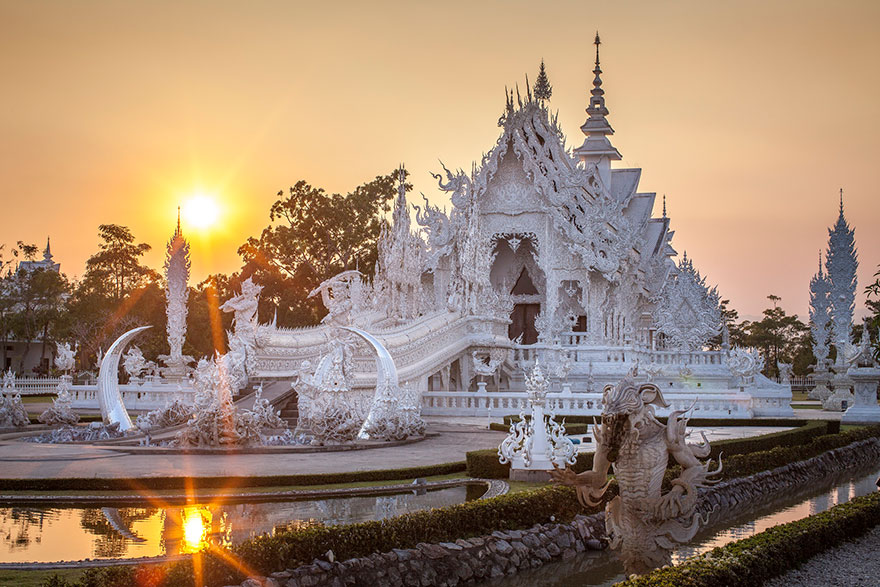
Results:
<point x="386" y="376"/>
<point x="109" y="398"/>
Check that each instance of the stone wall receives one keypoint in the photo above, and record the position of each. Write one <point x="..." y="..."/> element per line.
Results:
<point x="500" y="553"/>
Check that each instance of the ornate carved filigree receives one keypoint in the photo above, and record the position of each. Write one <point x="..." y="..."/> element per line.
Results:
<point x="177" y="266"/>
<point x="689" y="312"/>
<point x="538" y="443"/>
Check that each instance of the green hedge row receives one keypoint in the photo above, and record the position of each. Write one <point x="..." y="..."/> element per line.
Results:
<point x="570" y="429"/>
<point x="95" y="484"/>
<point x="741" y="465"/>
<point x="754" y="560"/>
<point x="484" y="463"/>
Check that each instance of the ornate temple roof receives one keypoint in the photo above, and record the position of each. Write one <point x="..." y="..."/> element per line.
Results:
<point x="598" y="209"/>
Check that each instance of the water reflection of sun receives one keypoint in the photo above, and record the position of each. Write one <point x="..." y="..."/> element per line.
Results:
<point x="196" y="522"/>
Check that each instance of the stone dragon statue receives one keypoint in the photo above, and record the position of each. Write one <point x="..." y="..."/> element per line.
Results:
<point x="643" y="523"/>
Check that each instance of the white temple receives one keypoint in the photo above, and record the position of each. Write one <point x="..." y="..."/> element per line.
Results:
<point x="547" y="253"/>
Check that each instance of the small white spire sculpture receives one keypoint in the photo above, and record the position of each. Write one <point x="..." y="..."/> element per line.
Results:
<point x="177" y="266"/>
<point x="534" y="446"/>
<point x="12" y="411"/>
<point x="61" y="412"/>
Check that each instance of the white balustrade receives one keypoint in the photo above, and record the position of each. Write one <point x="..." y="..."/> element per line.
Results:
<point x="702" y="405"/>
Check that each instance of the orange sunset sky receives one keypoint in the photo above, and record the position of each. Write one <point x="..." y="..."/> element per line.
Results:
<point x="749" y="115"/>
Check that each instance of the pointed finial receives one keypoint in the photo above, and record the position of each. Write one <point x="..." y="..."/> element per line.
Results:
<point x="178" y="219"/>
<point x="820" y="262"/>
<point x="664" y="205"/>
<point x="47" y="254"/>
<point x="543" y="89"/>
<point x="841" y="201"/>
<point x="597" y="42"/>
<point x="401" y="177"/>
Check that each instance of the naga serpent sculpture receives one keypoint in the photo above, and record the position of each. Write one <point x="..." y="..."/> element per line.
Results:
<point x="642" y="522"/>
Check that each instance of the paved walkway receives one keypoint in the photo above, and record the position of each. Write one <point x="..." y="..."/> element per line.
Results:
<point x="454" y="437"/>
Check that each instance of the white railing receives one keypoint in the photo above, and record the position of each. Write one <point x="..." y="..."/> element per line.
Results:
<point x="805" y="382"/>
<point x="36" y="385"/>
<point x="134" y="397"/>
<point x="575" y="346"/>
<point x="465" y="403"/>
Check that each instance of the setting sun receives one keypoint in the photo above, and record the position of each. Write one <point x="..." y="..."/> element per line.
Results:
<point x="201" y="211"/>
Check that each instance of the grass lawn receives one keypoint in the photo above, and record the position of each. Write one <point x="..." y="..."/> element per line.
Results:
<point x="36" y="578"/>
<point x="210" y="491"/>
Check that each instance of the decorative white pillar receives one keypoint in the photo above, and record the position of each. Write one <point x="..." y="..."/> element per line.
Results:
<point x="177" y="267"/>
<point x="865" y="407"/>
<point x="534" y="446"/>
<point x="865" y="377"/>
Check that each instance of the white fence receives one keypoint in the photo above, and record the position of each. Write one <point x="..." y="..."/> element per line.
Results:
<point x="468" y="403"/>
<point x="146" y="394"/>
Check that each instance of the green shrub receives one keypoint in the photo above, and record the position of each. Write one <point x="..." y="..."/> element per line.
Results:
<point x="754" y="560"/>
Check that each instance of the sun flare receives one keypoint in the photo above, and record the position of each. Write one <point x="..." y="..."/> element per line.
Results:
<point x="201" y="211"/>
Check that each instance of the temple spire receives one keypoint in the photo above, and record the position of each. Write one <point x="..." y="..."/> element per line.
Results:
<point x="47" y="254"/>
<point x="664" y="205"/>
<point x="841" y="202"/>
<point x="597" y="148"/>
<point x="177" y="232"/>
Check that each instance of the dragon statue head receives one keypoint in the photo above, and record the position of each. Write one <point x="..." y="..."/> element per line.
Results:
<point x="628" y="408"/>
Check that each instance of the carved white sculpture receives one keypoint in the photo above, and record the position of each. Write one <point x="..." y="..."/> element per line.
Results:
<point x="61" y="413"/>
<point x="841" y="263"/>
<point x="539" y="443"/>
<point x="689" y="313"/>
<point x="745" y="364"/>
<point x="243" y="341"/>
<point x="134" y="362"/>
<point x="865" y="375"/>
<point x="64" y="356"/>
<point x="785" y="370"/>
<point x="177" y="266"/>
<point x="643" y="522"/>
<point x="109" y="397"/>
<point x="12" y="411"/>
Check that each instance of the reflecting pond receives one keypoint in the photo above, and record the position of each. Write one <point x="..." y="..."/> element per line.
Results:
<point x="49" y="534"/>
<point x="603" y="568"/>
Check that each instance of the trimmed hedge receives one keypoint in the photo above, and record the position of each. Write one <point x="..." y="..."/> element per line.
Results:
<point x="96" y="484"/>
<point x="484" y="463"/>
<point x="754" y="560"/>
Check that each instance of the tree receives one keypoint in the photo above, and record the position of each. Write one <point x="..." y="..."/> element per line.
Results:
<point x="312" y="236"/>
<point x="543" y="90"/>
<point x="115" y="270"/>
<point x="780" y="338"/>
<point x="116" y="293"/>
<point x="39" y="297"/>
<point x="873" y="305"/>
